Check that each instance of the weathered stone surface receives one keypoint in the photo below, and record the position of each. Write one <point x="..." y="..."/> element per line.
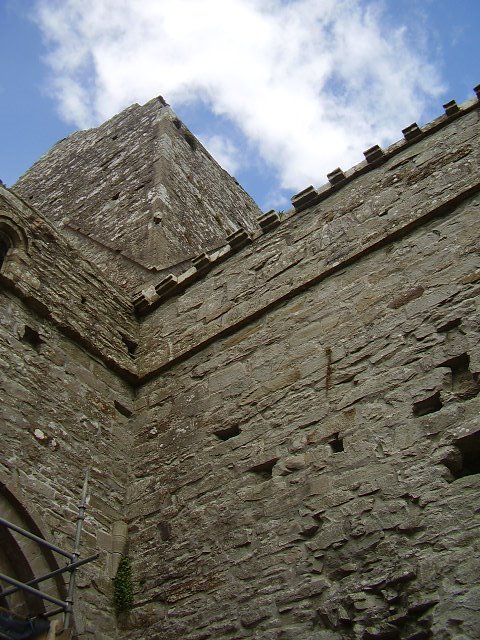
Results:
<point x="294" y="443"/>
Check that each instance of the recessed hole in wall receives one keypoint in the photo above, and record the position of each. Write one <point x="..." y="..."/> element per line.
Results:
<point x="114" y="137"/>
<point x="467" y="463"/>
<point x="139" y="187"/>
<point x="116" y="196"/>
<point x="157" y="218"/>
<point x="458" y="364"/>
<point x="32" y="338"/>
<point x="130" y="344"/>
<point x="428" y="405"/>
<point x="464" y="383"/>
<point x="448" y="326"/>
<point x="309" y="532"/>
<point x="264" y="470"/>
<point x="228" y="432"/>
<point x="336" y="443"/>
<point x="165" y="530"/>
<point x="83" y="299"/>
<point x="177" y="123"/>
<point x="121" y="408"/>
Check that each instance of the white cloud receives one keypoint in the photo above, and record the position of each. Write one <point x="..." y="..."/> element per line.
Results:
<point x="223" y="150"/>
<point x="310" y="83"/>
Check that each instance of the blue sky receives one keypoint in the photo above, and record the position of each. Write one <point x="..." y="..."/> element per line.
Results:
<point x="281" y="92"/>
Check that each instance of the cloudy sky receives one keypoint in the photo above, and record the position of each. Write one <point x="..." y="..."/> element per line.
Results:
<point x="280" y="91"/>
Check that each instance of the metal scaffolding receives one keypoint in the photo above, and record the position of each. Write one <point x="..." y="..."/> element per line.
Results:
<point x="65" y="606"/>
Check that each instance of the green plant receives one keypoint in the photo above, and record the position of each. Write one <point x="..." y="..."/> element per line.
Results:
<point x="123" y="587"/>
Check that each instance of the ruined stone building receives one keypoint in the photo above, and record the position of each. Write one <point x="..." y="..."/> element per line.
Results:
<point x="279" y="412"/>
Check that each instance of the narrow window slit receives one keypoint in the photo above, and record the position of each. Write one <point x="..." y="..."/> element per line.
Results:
<point x="228" y="432"/>
<point x="5" y="246"/>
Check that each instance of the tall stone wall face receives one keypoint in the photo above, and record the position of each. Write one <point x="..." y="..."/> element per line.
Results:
<point x="138" y="194"/>
<point x="303" y="456"/>
<point x="306" y="450"/>
<point x="312" y="474"/>
<point x="61" y="413"/>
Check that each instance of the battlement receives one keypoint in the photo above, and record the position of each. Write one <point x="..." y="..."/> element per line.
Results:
<point x="339" y="223"/>
<point x="332" y="227"/>
<point x="147" y="298"/>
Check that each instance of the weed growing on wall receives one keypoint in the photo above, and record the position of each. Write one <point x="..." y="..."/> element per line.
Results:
<point x="123" y="587"/>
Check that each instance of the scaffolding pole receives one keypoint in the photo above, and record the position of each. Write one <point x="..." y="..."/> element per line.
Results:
<point x="74" y="562"/>
<point x="82" y="507"/>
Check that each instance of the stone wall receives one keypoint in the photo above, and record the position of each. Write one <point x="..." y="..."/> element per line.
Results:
<point x="309" y="476"/>
<point x="306" y="450"/>
<point x="294" y="442"/>
<point x="421" y="182"/>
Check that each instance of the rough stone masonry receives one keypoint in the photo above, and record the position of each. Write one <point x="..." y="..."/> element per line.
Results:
<point x="280" y="413"/>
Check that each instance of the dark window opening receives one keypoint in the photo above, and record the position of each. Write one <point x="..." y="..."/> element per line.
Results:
<point x="116" y="196"/>
<point x="228" y="432"/>
<point x="165" y="530"/>
<point x="265" y="469"/>
<point x="336" y="443"/>
<point x="32" y="338"/>
<point x="5" y="245"/>
<point x="428" y="405"/>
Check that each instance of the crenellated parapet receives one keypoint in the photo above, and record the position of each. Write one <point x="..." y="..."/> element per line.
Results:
<point x="358" y="212"/>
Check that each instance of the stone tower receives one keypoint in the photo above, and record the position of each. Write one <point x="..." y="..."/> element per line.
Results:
<point x="139" y="194"/>
<point x="280" y="415"/>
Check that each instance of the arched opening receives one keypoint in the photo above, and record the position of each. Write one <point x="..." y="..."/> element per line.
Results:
<point x="23" y="559"/>
<point x="13" y="239"/>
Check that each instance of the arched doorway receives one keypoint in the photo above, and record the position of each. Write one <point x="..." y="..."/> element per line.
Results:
<point x="24" y="560"/>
